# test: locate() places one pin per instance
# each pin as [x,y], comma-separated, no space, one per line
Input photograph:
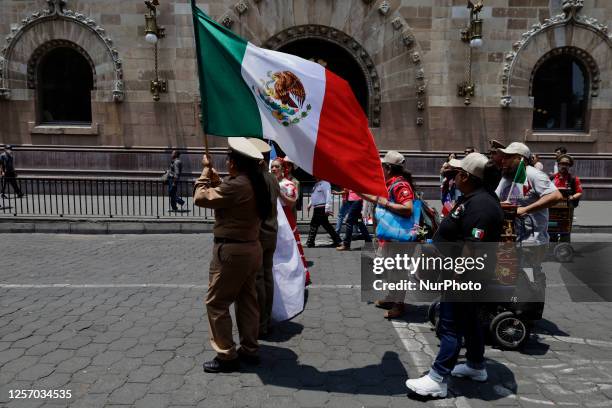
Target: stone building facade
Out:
[407,55]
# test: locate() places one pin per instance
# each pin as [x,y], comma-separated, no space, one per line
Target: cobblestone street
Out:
[119,321]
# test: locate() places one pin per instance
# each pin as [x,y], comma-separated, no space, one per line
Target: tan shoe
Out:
[396,311]
[343,248]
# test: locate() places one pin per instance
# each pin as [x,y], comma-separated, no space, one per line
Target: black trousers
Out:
[319,218]
[11,178]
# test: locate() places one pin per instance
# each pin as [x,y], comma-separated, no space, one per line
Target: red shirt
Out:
[562,181]
[402,192]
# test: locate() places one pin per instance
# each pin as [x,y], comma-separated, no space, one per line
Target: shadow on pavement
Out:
[545,326]
[534,348]
[280,367]
[501,383]
[284,332]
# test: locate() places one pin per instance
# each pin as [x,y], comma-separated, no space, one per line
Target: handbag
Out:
[394,227]
[168,174]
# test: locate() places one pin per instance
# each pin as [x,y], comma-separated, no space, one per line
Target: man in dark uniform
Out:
[264,282]
[476,217]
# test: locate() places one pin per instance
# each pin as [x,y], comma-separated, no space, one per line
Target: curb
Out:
[57,225]
[116,226]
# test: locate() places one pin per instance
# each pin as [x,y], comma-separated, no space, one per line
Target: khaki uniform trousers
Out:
[265,286]
[232,280]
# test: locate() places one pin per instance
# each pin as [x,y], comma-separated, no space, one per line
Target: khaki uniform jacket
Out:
[233,200]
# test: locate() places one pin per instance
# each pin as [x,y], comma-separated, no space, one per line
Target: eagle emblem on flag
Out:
[283,95]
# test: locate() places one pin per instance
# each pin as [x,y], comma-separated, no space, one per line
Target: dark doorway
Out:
[65,81]
[336,59]
[560,91]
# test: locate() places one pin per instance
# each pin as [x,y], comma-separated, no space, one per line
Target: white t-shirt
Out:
[537,184]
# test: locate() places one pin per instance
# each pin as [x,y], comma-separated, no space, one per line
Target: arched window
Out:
[561,92]
[334,58]
[65,81]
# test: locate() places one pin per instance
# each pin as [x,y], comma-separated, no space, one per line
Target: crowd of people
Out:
[472,191]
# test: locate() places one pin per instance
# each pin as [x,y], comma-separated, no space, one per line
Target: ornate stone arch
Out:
[57,23]
[376,34]
[347,43]
[582,36]
[44,49]
[589,64]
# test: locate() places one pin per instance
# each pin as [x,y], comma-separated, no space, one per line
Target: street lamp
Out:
[472,35]
[152,35]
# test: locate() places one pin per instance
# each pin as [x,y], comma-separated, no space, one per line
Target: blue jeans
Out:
[458,320]
[344,208]
[354,217]
[174,198]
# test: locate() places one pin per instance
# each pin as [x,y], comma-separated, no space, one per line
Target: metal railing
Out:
[110,198]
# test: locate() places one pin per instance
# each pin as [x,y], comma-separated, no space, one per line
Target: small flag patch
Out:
[478,233]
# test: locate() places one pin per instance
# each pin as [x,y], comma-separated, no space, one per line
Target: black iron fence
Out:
[110,198]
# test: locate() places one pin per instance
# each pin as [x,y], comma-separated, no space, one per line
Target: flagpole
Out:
[513,182]
[195,34]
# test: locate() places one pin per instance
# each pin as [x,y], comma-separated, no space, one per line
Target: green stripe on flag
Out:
[228,105]
[521,173]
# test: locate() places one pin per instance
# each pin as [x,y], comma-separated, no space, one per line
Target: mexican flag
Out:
[519,181]
[310,112]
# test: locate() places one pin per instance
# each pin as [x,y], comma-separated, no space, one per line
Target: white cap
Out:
[393,157]
[243,147]
[517,148]
[473,163]
[260,144]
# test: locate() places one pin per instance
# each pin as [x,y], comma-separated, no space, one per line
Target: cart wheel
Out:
[509,331]
[564,252]
[433,312]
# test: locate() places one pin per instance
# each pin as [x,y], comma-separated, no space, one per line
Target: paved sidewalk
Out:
[118,320]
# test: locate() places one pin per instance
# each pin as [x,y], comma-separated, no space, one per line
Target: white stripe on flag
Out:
[297,140]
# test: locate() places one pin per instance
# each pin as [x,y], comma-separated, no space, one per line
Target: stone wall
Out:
[410,51]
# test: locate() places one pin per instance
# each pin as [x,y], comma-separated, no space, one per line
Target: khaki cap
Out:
[394,158]
[260,144]
[517,148]
[243,147]
[473,163]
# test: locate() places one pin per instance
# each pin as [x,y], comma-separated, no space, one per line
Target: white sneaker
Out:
[426,386]
[462,370]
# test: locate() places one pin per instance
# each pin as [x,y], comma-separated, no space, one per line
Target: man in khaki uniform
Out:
[237,254]
[267,237]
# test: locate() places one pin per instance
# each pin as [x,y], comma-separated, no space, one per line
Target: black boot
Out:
[217,365]
[312,234]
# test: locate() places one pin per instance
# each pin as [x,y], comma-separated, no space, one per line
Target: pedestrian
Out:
[288,196]
[241,201]
[565,180]
[535,162]
[8,173]
[175,170]
[400,189]
[558,152]
[264,281]
[496,157]
[449,193]
[321,204]
[476,217]
[354,218]
[534,195]
[344,207]
[289,169]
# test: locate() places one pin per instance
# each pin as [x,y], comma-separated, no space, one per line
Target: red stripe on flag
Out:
[345,153]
